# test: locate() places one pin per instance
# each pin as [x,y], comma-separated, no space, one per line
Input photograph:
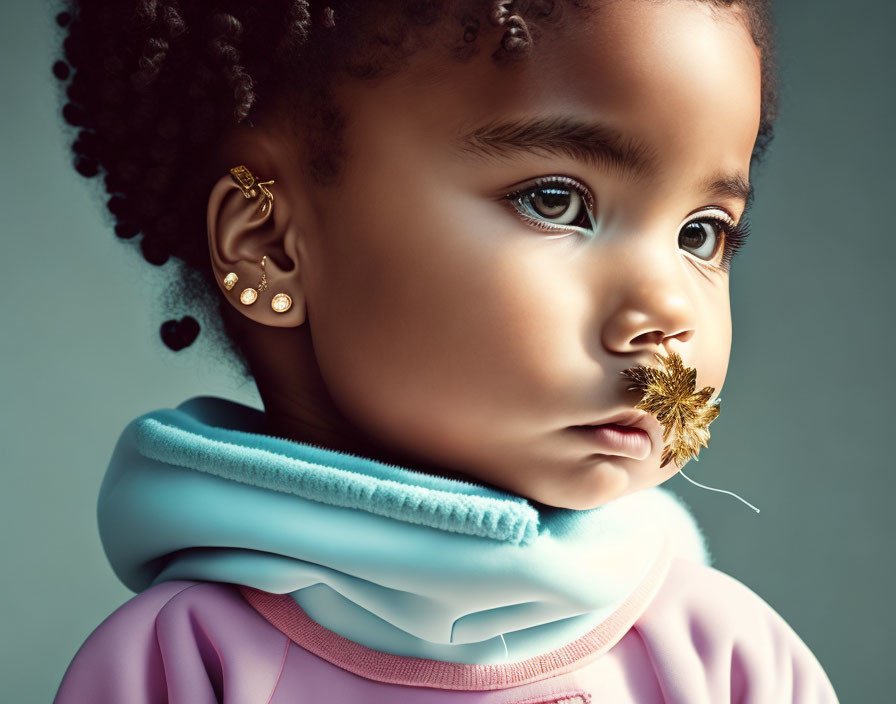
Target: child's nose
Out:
[647,302]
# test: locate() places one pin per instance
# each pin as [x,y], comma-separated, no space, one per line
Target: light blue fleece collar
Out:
[395,559]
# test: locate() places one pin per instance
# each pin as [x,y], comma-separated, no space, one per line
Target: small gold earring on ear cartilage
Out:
[230,280]
[264,279]
[250,187]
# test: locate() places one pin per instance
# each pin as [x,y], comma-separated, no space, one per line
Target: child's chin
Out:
[597,487]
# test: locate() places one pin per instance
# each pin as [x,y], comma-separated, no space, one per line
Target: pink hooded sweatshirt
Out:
[275,572]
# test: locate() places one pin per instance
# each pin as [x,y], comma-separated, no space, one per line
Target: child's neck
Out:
[298,407]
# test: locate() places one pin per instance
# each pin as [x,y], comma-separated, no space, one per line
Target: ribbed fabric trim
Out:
[578,697]
[512,520]
[289,618]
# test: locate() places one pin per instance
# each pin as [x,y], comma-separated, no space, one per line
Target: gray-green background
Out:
[807,433]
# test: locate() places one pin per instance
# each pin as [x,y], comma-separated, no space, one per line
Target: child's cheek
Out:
[446,322]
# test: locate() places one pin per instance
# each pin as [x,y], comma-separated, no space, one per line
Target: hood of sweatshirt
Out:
[392,558]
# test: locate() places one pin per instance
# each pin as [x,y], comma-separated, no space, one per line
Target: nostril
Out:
[684,336]
[654,337]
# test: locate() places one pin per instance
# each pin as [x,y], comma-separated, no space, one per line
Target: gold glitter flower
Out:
[682,411]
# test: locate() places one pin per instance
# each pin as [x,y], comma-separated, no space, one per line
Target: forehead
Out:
[679,78]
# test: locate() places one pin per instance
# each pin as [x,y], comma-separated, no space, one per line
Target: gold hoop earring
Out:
[250,187]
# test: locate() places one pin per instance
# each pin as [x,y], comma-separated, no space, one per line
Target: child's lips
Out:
[616,439]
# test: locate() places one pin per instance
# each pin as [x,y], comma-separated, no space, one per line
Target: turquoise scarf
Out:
[395,559]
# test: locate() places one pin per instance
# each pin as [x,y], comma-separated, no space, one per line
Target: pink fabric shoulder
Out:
[179,642]
[711,639]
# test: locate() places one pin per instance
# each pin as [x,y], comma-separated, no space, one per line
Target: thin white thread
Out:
[506,653]
[720,490]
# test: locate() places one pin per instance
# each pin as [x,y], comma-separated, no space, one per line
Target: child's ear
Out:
[243,230]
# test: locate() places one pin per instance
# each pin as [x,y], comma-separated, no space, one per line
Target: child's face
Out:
[457,333]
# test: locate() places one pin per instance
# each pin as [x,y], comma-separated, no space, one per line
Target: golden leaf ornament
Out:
[670,395]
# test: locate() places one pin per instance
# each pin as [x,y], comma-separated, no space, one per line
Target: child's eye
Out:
[555,204]
[704,236]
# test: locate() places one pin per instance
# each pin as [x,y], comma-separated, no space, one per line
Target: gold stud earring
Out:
[281,303]
[230,280]
[248,296]
[250,187]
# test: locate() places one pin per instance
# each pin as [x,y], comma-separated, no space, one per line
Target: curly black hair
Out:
[152,85]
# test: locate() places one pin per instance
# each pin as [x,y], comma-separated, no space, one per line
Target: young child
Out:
[440,235]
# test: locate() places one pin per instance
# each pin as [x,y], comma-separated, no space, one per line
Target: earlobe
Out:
[245,234]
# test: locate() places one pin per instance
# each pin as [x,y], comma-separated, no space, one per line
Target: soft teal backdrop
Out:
[807,430]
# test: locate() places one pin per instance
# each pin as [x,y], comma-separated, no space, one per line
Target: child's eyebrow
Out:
[594,143]
[734,186]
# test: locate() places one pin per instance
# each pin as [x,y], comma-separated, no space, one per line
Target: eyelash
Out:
[734,236]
